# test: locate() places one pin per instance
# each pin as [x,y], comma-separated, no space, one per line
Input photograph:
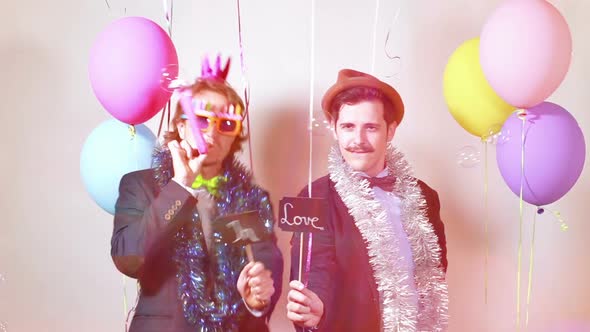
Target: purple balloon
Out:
[554,153]
[126,65]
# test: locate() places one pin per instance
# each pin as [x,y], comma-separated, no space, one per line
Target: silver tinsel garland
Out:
[398,312]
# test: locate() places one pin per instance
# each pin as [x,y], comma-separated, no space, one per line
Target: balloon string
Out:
[162,119]
[168,12]
[374,37]
[125,313]
[310,128]
[311,95]
[168,118]
[531,265]
[133,133]
[168,15]
[522,116]
[109,7]
[486,217]
[564,228]
[385,50]
[246,84]
[242,62]
[128,314]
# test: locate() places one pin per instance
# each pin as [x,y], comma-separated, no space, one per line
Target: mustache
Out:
[359,148]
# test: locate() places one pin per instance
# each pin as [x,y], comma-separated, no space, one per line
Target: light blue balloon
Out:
[111,151]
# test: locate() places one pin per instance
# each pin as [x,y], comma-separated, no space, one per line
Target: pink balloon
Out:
[525,51]
[125,68]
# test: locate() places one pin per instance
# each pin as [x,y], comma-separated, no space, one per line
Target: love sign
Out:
[302,214]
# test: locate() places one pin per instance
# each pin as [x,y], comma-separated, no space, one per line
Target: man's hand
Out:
[186,165]
[256,285]
[304,307]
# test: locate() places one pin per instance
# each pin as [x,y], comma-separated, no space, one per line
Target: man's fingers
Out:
[297,285]
[177,153]
[243,278]
[259,276]
[256,282]
[260,280]
[297,296]
[264,292]
[261,286]
[267,293]
[245,271]
[173,146]
[303,320]
[257,269]
[195,163]
[187,148]
[295,317]
[313,297]
[298,308]
[201,157]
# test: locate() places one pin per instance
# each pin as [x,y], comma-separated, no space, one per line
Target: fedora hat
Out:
[349,78]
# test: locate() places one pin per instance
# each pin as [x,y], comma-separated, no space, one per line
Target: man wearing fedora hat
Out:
[381,263]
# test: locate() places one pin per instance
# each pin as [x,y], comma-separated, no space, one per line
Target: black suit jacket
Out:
[147,218]
[340,273]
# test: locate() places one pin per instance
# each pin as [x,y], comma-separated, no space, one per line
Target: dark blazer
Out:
[340,273]
[146,220]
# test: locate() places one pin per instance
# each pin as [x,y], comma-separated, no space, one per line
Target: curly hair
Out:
[218,86]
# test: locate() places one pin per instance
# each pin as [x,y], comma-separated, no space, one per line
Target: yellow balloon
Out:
[471,100]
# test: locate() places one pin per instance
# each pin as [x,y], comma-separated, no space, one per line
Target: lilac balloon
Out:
[554,153]
[126,65]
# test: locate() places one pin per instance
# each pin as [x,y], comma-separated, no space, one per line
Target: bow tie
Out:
[386,183]
[212,184]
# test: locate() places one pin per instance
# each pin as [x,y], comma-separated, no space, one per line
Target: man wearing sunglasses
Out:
[380,265]
[164,233]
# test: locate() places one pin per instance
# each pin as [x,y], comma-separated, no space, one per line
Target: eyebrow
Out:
[376,124]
